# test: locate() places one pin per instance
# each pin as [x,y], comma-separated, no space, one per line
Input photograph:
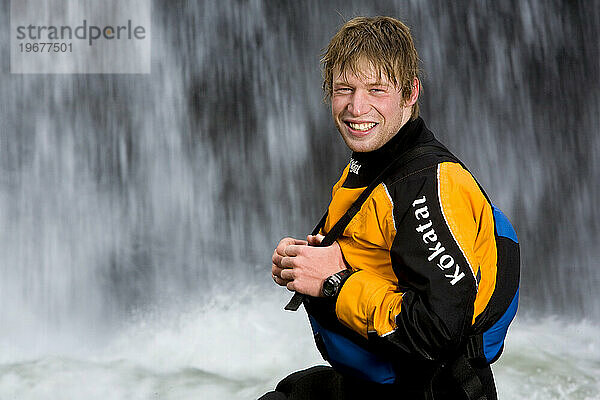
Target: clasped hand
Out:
[302,267]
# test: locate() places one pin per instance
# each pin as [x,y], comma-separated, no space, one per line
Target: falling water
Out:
[138,213]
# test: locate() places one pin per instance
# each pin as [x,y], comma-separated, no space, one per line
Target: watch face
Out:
[329,287]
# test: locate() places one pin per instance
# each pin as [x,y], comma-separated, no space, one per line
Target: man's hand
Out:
[303,268]
[278,255]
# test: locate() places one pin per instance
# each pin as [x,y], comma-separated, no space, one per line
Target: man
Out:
[410,274]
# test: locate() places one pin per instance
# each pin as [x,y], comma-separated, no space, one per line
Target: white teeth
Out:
[362,127]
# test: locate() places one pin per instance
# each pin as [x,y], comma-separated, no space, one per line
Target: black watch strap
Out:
[344,275]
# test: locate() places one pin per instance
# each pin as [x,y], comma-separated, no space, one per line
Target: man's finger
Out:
[277,259]
[294,250]
[277,270]
[315,240]
[291,287]
[279,281]
[285,242]
[287,274]
[281,247]
[287,262]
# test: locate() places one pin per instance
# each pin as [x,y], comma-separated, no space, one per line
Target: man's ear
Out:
[414,95]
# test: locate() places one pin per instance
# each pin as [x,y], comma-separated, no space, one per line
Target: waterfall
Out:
[120,193]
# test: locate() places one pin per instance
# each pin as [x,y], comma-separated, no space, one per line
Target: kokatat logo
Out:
[354,166]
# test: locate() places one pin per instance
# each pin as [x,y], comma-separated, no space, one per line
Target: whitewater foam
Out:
[239,349]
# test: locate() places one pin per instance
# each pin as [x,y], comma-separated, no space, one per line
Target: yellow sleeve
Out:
[368,303]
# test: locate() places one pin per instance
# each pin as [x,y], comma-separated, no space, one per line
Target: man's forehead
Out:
[366,72]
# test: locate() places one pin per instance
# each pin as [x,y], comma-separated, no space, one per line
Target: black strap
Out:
[474,349]
[467,378]
[341,224]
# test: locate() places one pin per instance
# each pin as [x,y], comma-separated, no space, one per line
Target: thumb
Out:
[315,240]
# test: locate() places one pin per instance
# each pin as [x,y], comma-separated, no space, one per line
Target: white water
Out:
[239,349]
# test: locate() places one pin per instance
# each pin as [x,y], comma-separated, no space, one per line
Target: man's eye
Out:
[377,90]
[343,90]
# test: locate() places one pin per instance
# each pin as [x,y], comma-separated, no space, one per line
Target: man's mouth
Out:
[361,126]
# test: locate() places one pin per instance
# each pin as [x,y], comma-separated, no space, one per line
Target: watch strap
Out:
[344,275]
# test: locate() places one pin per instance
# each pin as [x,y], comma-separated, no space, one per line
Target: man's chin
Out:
[362,145]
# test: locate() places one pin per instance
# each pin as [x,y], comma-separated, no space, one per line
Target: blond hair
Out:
[384,42]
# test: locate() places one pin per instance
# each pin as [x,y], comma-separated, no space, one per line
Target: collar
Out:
[364,167]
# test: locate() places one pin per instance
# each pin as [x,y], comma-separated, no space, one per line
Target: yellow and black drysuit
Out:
[424,255]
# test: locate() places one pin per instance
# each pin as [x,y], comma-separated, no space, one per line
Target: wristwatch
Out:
[333,284]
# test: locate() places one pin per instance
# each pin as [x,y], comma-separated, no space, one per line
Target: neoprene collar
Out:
[368,165]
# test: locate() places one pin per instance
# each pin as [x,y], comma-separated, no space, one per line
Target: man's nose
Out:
[359,103]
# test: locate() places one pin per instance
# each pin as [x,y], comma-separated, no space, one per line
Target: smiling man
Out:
[367,108]
[397,291]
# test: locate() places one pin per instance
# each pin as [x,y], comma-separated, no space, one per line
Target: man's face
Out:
[367,111]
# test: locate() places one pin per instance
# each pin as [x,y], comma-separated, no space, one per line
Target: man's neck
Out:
[365,166]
